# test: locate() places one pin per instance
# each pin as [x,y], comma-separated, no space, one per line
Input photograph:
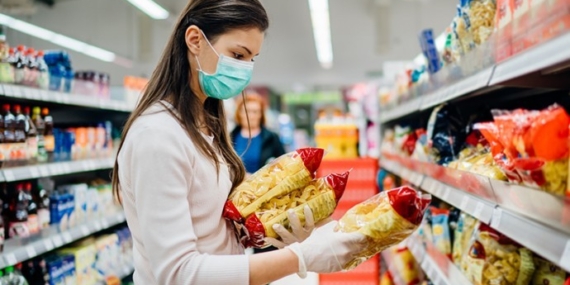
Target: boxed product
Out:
[85,255]
[385,219]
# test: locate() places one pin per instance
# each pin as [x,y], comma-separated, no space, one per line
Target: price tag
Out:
[16,91]
[464,203]
[8,90]
[105,223]
[44,171]
[446,192]
[85,230]
[97,226]
[9,175]
[496,220]
[11,259]
[57,97]
[67,237]
[57,242]
[31,251]
[34,172]
[66,168]
[27,93]
[565,260]
[35,94]
[479,209]
[44,95]
[48,244]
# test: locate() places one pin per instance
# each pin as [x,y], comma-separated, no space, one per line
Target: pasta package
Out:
[385,219]
[547,273]
[494,259]
[321,195]
[283,175]
[531,147]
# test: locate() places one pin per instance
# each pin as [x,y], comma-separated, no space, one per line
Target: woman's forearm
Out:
[270,266]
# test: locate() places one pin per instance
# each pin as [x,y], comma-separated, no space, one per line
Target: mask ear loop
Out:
[212,47]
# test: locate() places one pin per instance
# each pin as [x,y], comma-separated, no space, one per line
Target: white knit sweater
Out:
[173,203]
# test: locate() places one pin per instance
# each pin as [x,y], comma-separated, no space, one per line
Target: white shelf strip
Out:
[21,249]
[54,169]
[23,92]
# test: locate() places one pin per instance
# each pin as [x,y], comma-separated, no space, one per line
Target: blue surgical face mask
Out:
[229,80]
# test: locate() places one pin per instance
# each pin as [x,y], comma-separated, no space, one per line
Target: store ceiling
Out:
[364,35]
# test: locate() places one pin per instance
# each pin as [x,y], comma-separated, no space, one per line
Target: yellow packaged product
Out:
[547,273]
[385,219]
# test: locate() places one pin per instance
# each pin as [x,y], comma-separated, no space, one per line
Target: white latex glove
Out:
[298,232]
[327,251]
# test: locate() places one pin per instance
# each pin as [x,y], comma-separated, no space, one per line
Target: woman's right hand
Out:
[326,251]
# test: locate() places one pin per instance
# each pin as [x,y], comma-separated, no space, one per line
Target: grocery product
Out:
[440,230]
[547,273]
[478,160]
[466,226]
[385,219]
[281,176]
[445,134]
[39,124]
[495,259]
[531,146]
[320,195]
[482,17]
[18,212]
[407,266]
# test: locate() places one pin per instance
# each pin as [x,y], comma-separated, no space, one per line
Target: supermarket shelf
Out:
[544,232]
[401,110]
[538,58]
[387,256]
[54,169]
[21,249]
[22,92]
[535,59]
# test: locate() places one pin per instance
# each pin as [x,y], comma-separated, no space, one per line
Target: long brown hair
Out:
[171,79]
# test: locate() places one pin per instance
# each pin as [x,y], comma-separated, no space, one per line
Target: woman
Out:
[176,166]
[252,141]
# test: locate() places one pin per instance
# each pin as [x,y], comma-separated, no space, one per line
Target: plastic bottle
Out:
[6,70]
[19,213]
[2,140]
[40,128]
[9,125]
[33,219]
[43,71]
[41,197]
[14,277]
[48,133]
[21,67]
[31,137]
[20,130]
[32,75]
[2,226]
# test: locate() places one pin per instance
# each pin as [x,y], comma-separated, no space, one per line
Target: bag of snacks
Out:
[466,225]
[547,273]
[494,259]
[482,16]
[531,146]
[406,264]
[385,219]
[281,176]
[477,159]
[440,230]
[321,195]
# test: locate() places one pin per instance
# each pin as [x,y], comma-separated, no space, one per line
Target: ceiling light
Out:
[61,40]
[150,8]
[322,31]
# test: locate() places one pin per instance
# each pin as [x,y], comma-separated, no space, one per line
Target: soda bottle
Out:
[39,123]
[33,219]
[32,75]
[18,213]
[21,66]
[20,130]
[9,125]
[41,197]
[31,137]
[48,133]
[43,71]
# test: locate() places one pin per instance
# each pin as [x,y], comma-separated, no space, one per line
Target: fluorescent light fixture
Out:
[57,39]
[150,8]
[322,31]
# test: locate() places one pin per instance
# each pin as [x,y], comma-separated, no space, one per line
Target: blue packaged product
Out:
[440,230]
[55,270]
[429,50]
[68,268]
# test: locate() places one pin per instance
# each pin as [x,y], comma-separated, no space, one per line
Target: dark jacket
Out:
[271,146]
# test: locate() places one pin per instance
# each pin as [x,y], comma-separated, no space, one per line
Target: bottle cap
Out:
[17,108]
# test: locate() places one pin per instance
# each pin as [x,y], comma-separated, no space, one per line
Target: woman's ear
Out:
[193,36]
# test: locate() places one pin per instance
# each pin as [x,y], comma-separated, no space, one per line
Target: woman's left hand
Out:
[298,232]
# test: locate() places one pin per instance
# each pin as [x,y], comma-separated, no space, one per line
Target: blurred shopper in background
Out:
[253,142]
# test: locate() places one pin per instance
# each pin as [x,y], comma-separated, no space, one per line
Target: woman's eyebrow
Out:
[246,49]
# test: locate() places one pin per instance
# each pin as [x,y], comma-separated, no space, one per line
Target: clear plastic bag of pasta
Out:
[281,176]
[385,219]
[320,195]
